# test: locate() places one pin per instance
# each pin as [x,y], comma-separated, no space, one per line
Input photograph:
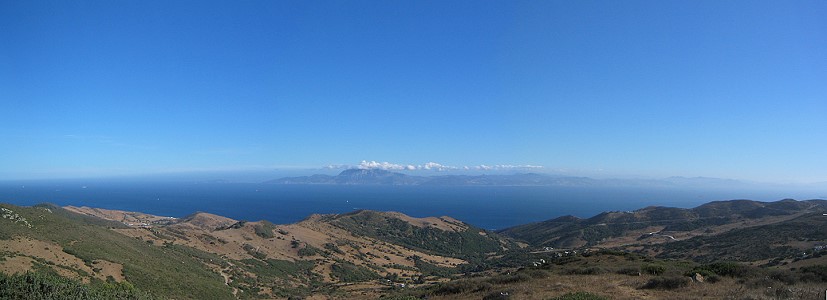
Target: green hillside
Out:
[572,232]
[470,244]
[52,287]
[168,272]
[785,240]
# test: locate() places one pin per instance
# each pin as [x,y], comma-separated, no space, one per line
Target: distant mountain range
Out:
[384,177]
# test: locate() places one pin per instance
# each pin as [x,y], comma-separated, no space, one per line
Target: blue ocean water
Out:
[484,206]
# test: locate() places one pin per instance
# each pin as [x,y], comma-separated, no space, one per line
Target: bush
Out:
[785,277]
[348,272]
[332,247]
[429,269]
[666,283]
[403,297]
[730,269]
[253,251]
[580,296]
[264,229]
[629,271]
[308,250]
[535,273]
[814,273]
[509,278]
[498,295]
[44,286]
[461,286]
[653,269]
[585,271]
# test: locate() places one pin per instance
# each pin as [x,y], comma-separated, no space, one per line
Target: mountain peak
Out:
[206,220]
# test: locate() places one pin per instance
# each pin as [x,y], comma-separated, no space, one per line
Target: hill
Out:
[775,243]
[323,254]
[53,240]
[652,252]
[658,225]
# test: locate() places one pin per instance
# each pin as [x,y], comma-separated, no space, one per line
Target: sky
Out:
[732,89]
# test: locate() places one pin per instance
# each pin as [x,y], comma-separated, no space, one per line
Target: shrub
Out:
[308,250]
[264,229]
[785,277]
[405,297]
[460,286]
[730,269]
[509,278]
[429,269]
[580,296]
[332,247]
[348,272]
[45,286]
[535,273]
[498,295]
[814,273]
[653,269]
[629,271]
[585,271]
[666,283]
[253,251]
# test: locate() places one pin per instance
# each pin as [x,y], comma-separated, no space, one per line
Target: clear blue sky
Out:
[733,89]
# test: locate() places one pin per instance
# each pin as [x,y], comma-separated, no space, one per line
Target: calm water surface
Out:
[486,207]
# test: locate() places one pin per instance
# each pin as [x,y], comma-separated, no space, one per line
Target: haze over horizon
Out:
[602,89]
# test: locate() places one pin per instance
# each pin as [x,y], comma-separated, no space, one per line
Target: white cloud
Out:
[381,165]
[333,167]
[507,167]
[429,166]
[437,166]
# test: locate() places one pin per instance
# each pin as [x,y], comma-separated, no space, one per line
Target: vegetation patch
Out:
[348,272]
[580,296]
[585,271]
[461,286]
[509,278]
[165,271]
[498,295]
[277,268]
[468,244]
[730,269]
[653,269]
[253,251]
[333,248]
[629,271]
[666,283]
[429,269]
[309,250]
[50,286]
[265,229]
[814,273]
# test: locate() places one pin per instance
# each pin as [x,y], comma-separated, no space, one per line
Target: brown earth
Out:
[216,234]
[129,218]
[623,287]
[21,253]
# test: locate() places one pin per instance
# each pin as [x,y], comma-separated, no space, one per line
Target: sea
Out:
[488,207]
